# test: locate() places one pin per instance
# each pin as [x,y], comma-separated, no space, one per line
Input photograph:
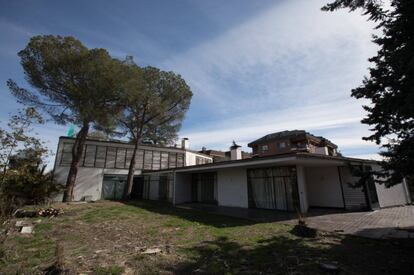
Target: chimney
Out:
[235,151]
[185,144]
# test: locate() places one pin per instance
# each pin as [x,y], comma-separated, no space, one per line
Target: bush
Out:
[27,185]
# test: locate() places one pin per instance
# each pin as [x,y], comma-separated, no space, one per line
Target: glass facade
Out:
[273,188]
[103,156]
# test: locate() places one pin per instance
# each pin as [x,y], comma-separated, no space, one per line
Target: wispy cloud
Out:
[291,67]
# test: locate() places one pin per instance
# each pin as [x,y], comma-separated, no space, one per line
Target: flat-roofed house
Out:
[291,180]
[104,166]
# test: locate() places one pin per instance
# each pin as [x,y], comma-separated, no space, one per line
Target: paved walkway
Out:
[395,222]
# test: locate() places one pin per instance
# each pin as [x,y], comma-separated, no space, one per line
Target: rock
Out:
[292,260]
[20,213]
[76,202]
[151,251]
[27,230]
[20,223]
[331,267]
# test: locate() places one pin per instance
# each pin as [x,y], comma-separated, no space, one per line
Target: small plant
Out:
[301,218]
[302,229]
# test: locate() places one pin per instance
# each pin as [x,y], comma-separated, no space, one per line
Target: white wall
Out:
[88,181]
[190,158]
[302,188]
[323,186]
[232,187]
[395,195]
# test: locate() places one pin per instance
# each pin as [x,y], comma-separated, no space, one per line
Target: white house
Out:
[282,182]
[300,173]
[104,166]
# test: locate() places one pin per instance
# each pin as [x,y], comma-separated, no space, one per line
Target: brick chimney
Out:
[235,151]
[185,143]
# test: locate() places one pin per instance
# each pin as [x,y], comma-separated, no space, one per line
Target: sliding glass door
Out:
[203,188]
[273,188]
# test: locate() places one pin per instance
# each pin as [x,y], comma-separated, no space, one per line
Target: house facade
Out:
[307,172]
[291,182]
[287,180]
[292,141]
[104,165]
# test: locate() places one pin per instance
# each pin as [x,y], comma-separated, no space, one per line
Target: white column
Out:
[303,196]
[406,191]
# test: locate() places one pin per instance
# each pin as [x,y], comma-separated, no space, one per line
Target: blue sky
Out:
[255,67]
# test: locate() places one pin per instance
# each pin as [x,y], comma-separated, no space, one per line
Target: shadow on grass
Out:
[209,219]
[286,255]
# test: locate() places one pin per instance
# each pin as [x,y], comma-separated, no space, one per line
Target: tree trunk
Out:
[76,156]
[131,171]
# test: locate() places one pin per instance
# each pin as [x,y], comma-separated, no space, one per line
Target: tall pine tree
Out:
[390,85]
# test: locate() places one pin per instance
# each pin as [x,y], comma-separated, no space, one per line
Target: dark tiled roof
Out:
[285,134]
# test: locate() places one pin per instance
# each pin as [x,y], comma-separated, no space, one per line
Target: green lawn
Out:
[109,237]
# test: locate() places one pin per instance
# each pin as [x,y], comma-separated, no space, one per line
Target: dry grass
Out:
[109,237]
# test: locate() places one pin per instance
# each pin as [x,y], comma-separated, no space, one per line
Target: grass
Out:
[109,237]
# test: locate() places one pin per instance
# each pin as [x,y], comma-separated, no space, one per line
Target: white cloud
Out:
[291,67]
[368,156]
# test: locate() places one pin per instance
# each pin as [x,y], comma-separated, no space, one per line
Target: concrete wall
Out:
[302,188]
[323,187]
[88,181]
[232,187]
[395,195]
[190,158]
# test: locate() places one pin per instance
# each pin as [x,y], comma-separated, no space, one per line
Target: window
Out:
[265,148]
[120,158]
[66,154]
[282,145]
[128,157]
[90,152]
[148,160]
[164,160]
[139,160]
[156,160]
[100,156]
[173,160]
[110,157]
[180,160]
[273,188]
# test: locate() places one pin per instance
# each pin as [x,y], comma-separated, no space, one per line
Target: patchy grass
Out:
[109,238]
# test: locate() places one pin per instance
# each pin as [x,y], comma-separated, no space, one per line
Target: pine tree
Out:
[390,85]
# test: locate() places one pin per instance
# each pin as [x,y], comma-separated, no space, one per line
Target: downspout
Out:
[174,180]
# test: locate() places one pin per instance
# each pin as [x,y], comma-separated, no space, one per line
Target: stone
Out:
[151,251]
[331,267]
[20,223]
[27,230]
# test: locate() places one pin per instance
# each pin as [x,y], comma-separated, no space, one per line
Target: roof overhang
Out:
[305,159]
